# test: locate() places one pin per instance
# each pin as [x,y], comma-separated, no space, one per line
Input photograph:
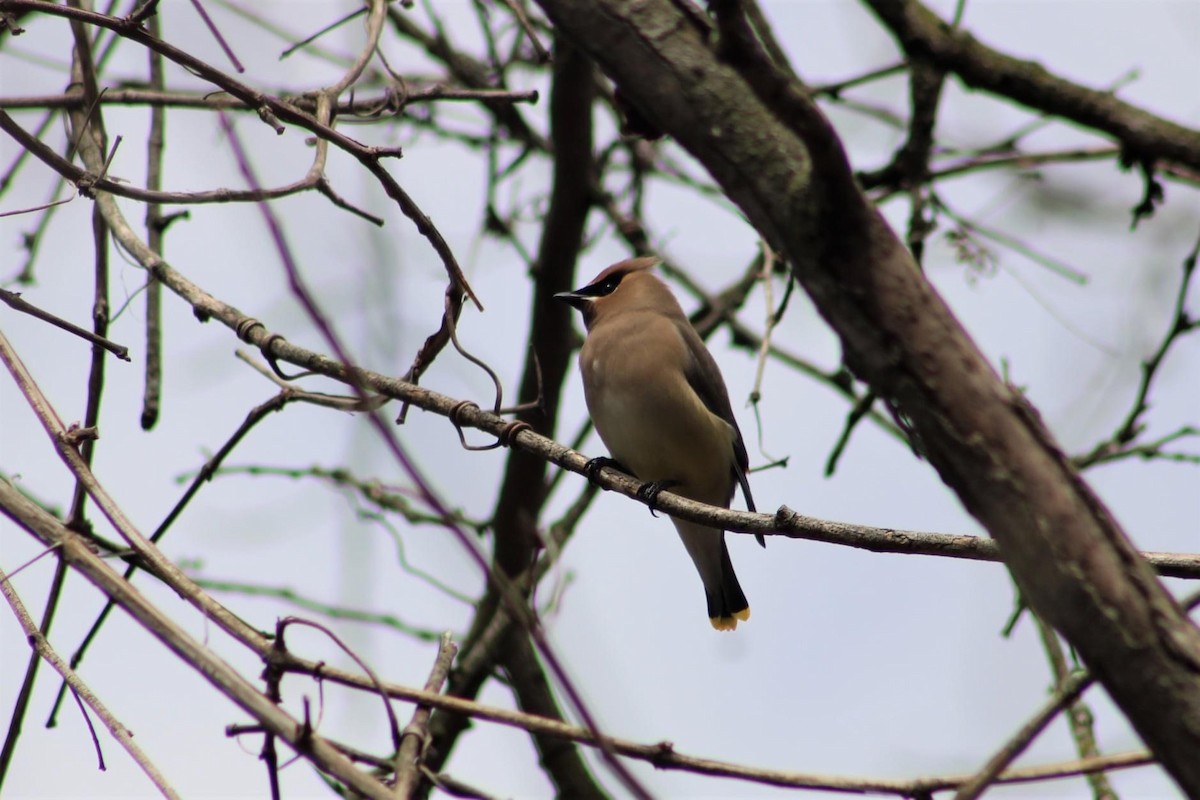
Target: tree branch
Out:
[41,648]
[921,34]
[523,487]
[776,156]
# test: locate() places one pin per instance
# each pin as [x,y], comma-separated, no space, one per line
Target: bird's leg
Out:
[650,492]
[594,466]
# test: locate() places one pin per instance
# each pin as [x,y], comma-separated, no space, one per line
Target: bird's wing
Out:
[705,379]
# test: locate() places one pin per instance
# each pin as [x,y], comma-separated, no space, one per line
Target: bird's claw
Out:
[593,466]
[650,492]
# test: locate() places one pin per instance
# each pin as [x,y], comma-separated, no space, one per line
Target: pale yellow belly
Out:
[667,437]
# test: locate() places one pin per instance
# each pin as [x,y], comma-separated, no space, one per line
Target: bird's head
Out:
[625,286]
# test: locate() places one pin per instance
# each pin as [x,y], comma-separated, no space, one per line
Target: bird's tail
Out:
[726,602]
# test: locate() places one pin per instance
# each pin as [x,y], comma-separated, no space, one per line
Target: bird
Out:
[659,403]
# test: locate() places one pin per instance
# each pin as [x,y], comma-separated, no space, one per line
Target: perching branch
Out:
[776,155]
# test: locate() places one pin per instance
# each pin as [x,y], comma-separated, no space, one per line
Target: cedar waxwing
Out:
[660,405]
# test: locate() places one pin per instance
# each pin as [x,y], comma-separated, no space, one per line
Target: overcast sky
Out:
[853,663]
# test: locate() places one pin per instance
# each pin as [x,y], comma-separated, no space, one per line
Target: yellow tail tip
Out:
[730,623]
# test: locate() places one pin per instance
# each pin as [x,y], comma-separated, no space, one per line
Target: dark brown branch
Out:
[550,347]
[921,34]
[523,487]
[779,159]
[15,302]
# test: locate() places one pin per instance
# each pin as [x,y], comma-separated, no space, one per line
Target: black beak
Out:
[574,299]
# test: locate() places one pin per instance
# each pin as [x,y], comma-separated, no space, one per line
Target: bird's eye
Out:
[608,285]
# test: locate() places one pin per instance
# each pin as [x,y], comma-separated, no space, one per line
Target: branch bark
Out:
[523,488]
[75,551]
[776,156]
[922,34]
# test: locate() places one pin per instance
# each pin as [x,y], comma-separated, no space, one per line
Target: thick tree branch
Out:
[1144,136]
[778,158]
[523,487]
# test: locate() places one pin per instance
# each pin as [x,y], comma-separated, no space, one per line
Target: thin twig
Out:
[415,736]
[282,625]
[1181,324]
[836,88]
[543,55]
[39,644]
[212,28]
[332,26]
[17,303]
[1079,717]
[1067,691]
[49,530]
[25,694]
[289,595]
[196,654]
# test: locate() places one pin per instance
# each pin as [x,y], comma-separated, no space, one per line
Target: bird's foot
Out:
[592,467]
[650,492]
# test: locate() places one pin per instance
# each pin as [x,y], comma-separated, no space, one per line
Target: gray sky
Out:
[853,663]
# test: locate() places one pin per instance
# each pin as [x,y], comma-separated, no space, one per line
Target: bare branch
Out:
[415,738]
[1066,693]
[193,652]
[39,644]
[270,109]
[921,34]
[15,301]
